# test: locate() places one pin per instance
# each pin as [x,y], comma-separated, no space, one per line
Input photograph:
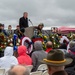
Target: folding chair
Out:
[42,67]
[2,71]
[6,71]
[30,67]
[45,72]
[36,73]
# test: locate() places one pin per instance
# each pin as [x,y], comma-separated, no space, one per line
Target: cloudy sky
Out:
[49,12]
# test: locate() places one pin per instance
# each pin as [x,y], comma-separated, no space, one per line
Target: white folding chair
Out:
[6,71]
[45,72]
[36,73]
[2,71]
[29,67]
[42,67]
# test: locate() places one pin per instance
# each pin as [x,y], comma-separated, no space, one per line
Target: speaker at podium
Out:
[29,31]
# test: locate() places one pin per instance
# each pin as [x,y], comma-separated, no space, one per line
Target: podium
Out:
[29,31]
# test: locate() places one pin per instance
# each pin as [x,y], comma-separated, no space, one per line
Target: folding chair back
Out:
[45,72]
[42,67]
[2,71]
[36,73]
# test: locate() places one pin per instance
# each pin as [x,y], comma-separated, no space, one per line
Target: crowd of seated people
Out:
[56,65]
[40,55]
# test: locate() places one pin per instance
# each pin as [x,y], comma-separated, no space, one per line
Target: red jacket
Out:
[23,58]
[48,50]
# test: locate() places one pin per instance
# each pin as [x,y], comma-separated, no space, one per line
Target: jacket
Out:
[8,60]
[70,70]
[23,58]
[23,22]
[38,55]
[48,50]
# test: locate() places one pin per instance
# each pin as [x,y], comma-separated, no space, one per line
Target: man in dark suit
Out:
[23,21]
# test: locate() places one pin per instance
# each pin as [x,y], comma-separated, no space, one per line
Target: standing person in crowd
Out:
[48,46]
[18,70]
[17,31]
[38,55]
[8,60]
[23,21]
[9,31]
[63,39]
[23,58]
[0,27]
[56,61]
[54,30]
[40,27]
[2,30]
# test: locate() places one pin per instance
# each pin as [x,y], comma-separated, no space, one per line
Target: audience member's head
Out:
[18,27]
[40,26]
[22,50]
[38,45]
[0,26]
[8,51]
[56,61]
[60,73]
[18,70]
[49,44]
[72,44]
[9,27]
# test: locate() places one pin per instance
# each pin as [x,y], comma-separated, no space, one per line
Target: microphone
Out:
[30,22]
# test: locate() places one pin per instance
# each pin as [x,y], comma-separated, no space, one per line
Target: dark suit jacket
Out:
[23,23]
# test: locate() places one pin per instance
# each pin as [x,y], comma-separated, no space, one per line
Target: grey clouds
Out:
[49,12]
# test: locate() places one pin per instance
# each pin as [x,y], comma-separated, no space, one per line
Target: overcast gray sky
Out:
[49,12]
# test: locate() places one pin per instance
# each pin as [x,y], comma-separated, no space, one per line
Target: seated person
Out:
[48,46]
[18,70]
[23,58]
[8,60]
[38,55]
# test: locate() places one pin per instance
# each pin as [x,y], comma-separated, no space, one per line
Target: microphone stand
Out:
[31,22]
